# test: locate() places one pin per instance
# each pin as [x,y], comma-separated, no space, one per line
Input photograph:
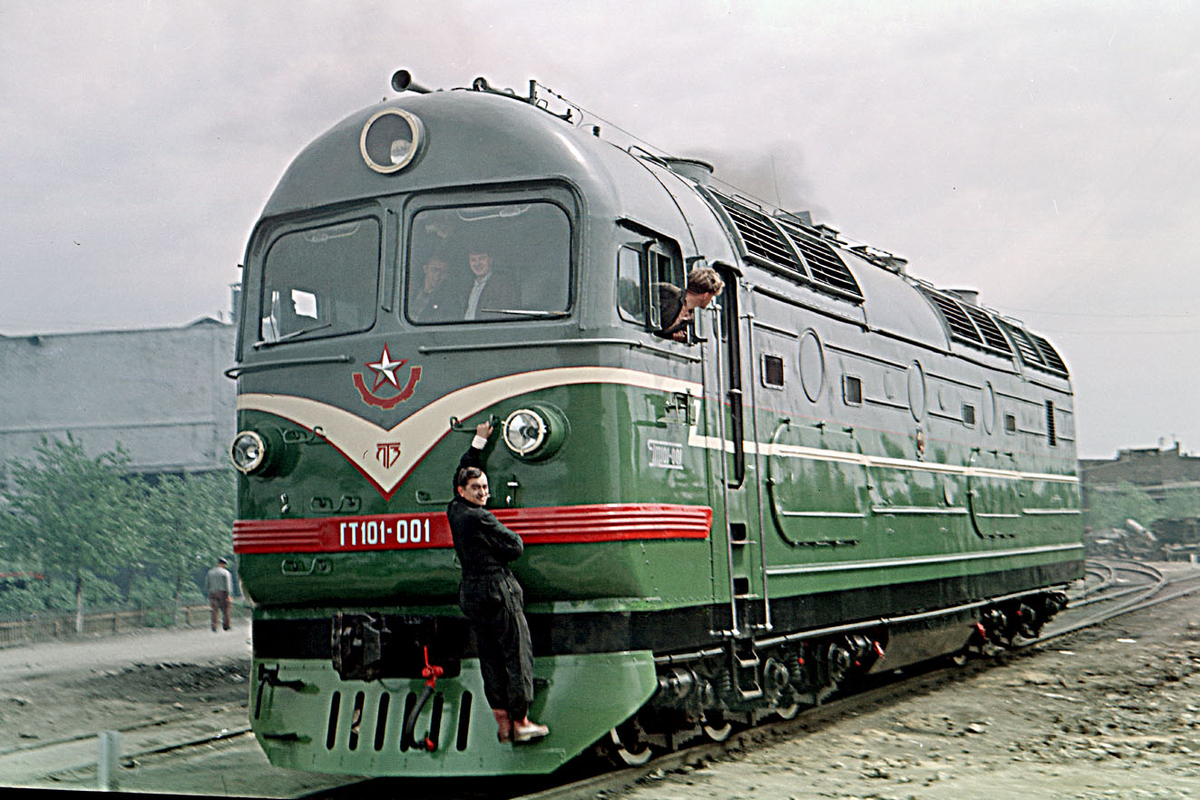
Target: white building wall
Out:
[160,393]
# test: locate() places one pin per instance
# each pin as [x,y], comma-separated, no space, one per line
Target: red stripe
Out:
[555,525]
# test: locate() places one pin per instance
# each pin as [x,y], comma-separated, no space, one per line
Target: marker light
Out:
[390,140]
[248,452]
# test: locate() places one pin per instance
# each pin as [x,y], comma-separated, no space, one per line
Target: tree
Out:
[188,525]
[75,517]
[1110,506]
[1182,503]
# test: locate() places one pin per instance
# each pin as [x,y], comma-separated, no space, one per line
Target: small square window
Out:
[852,390]
[772,372]
[1010,423]
[968,414]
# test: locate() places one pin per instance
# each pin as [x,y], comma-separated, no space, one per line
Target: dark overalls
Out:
[492,600]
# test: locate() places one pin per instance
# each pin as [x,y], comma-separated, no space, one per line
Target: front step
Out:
[740,665]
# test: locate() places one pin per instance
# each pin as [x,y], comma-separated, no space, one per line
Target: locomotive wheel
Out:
[625,745]
[716,728]
[789,711]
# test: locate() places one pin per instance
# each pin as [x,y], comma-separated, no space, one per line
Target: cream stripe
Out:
[920,560]
[358,438]
[861,459]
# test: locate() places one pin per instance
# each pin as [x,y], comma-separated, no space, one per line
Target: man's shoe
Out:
[527,731]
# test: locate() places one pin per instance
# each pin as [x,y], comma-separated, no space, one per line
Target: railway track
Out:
[1115,588]
[1150,593]
[1151,588]
[23,766]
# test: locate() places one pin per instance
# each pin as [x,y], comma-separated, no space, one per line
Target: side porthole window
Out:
[812,365]
[772,372]
[1010,423]
[968,415]
[852,390]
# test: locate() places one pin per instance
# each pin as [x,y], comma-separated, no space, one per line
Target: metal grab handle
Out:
[431,672]
[411,721]
[457,425]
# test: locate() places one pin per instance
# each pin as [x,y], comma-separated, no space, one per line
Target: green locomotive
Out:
[842,470]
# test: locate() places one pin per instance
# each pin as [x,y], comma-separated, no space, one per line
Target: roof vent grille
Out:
[1029,353]
[823,261]
[759,236]
[960,324]
[987,326]
[1054,361]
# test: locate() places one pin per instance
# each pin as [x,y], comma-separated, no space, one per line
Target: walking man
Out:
[492,599]
[219,585]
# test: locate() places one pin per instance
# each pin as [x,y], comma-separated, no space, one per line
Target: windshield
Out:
[488,263]
[320,282]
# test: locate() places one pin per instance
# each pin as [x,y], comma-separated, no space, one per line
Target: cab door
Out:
[739,515]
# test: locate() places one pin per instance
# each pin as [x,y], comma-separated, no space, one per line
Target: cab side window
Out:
[646,272]
[631,295]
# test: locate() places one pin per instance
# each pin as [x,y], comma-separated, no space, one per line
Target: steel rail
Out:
[1122,566]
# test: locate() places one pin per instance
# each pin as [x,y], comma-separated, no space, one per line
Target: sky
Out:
[1043,154]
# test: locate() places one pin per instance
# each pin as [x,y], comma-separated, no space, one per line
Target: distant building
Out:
[1162,473]
[160,393]
[1155,470]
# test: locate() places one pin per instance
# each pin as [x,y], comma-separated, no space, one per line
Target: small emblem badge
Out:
[385,374]
[387,453]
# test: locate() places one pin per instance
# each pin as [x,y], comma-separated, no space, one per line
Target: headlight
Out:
[248,451]
[524,431]
[390,140]
[535,432]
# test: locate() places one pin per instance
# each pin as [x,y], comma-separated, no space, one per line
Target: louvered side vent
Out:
[1029,352]
[823,262]
[759,235]
[992,336]
[1054,361]
[960,324]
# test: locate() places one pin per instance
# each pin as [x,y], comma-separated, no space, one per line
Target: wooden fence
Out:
[44,628]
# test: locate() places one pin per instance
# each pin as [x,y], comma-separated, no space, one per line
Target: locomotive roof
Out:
[477,138]
[474,139]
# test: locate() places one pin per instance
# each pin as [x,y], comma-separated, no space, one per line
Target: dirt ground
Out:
[1108,712]
[51,692]
[1111,712]
[54,690]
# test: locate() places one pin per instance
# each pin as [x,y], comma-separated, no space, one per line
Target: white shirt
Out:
[473,298]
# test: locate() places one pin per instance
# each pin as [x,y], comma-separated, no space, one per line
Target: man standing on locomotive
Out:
[491,598]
